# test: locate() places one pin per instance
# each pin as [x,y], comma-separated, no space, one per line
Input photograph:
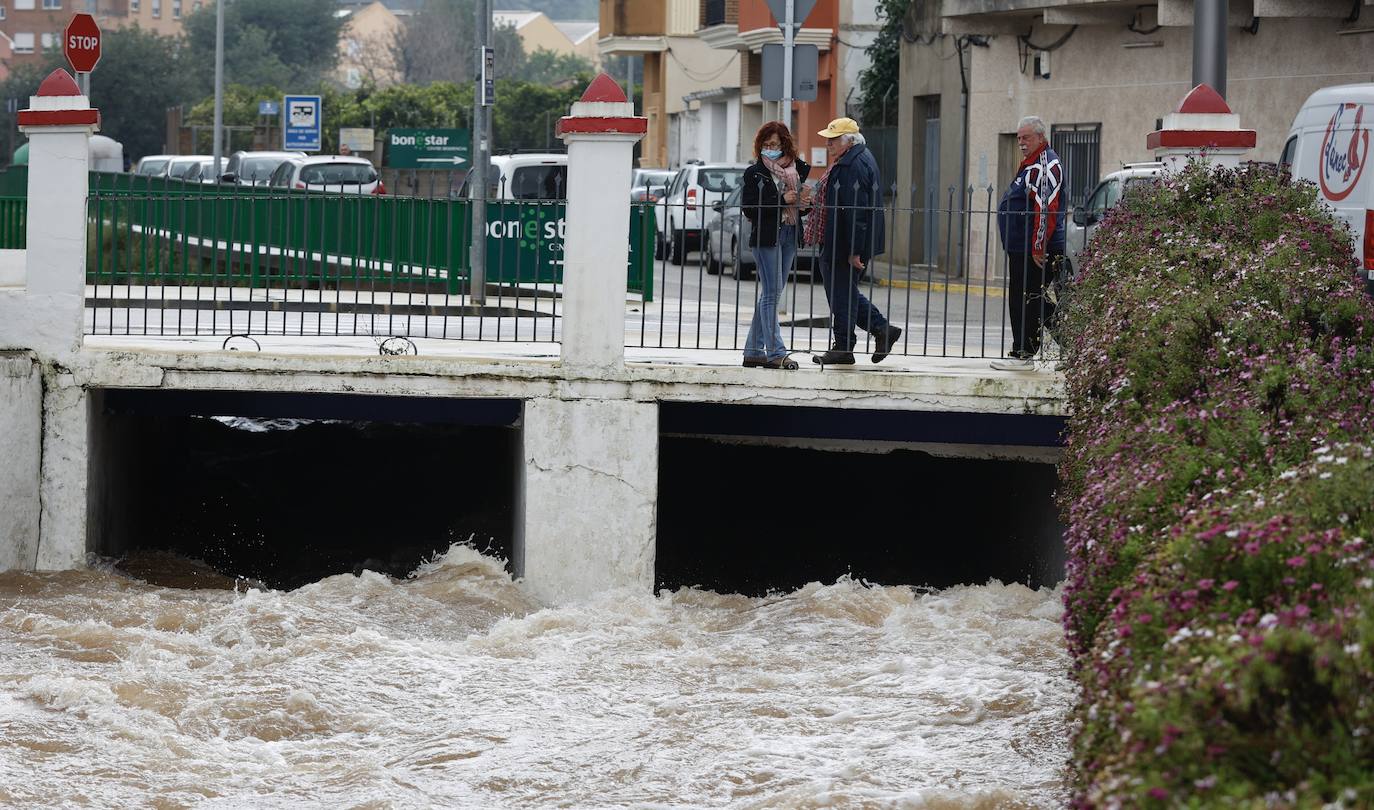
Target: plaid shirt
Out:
[815,222]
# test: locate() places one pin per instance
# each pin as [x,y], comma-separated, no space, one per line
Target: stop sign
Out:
[81,43]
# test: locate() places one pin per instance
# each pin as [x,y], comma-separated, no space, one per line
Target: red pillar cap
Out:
[1203,99]
[59,83]
[604,89]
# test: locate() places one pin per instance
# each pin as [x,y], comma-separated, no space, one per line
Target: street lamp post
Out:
[219,87]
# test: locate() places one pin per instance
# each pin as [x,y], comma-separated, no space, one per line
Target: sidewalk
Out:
[925,277]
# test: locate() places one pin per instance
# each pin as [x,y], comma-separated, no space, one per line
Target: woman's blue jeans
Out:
[773,265]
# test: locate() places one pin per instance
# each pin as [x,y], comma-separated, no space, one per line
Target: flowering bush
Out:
[1219,488]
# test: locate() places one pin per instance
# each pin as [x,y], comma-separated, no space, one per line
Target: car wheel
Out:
[742,271]
[677,248]
[712,263]
[658,245]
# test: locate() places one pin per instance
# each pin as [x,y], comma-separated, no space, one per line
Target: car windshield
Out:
[150,167]
[338,174]
[179,169]
[721,180]
[257,170]
[654,178]
[548,182]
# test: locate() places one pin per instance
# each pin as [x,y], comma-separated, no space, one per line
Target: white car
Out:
[684,211]
[1078,231]
[336,174]
[178,166]
[202,171]
[254,168]
[537,176]
[152,165]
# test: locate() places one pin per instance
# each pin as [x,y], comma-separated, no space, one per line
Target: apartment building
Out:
[537,31]
[841,30]
[1102,75]
[29,27]
[677,65]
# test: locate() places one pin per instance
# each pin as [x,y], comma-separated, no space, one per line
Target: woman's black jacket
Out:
[762,202]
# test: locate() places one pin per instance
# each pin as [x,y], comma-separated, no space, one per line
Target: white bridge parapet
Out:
[590,426]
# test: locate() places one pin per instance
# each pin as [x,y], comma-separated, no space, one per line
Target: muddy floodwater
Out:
[452,688]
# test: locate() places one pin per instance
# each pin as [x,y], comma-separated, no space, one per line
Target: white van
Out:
[1328,144]
[524,177]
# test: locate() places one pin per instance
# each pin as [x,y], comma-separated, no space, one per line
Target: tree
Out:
[437,44]
[288,43]
[526,114]
[879,80]
[549,67]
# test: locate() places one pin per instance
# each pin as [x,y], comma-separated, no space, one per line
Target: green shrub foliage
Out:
[1219,490]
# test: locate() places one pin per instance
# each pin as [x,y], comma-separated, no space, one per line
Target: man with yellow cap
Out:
[847,222]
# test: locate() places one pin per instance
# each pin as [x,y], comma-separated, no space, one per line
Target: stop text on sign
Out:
[82,43]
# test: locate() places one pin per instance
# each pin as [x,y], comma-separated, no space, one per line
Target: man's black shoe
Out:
[882,344]
[834,357]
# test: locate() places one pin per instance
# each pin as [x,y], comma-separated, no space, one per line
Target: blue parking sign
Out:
[302,123]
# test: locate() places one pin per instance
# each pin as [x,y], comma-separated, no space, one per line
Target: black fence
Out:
[715,284]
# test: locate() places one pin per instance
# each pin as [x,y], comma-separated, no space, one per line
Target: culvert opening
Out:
[755,518]
[288,489]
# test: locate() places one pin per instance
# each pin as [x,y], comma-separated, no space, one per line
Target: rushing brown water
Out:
[453,689]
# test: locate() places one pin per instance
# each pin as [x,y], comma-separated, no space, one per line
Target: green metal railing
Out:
[13,222]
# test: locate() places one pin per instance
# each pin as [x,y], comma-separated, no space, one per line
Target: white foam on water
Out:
[453,688]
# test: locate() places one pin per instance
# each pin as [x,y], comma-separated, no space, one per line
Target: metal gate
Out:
[1079,147]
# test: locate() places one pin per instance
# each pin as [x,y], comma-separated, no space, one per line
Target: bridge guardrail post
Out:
[600,132]
[59,123]
[44,420]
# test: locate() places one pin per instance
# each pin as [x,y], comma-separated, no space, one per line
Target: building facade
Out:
[1102,76]
[30,27]
[677,65]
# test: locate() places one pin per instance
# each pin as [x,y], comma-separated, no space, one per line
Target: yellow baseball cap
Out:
[840,126]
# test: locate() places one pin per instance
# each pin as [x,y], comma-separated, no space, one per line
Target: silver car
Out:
[1078,231]
[727,241]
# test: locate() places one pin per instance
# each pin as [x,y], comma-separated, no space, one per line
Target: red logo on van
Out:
[1342,164]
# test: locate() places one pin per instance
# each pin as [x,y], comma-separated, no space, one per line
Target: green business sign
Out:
[428,148]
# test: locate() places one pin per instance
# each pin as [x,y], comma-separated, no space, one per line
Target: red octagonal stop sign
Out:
[81,43]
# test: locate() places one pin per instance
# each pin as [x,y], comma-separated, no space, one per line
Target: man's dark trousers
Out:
[1029,307]
[848,307]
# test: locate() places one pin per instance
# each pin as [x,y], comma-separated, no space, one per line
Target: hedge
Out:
[1218,486]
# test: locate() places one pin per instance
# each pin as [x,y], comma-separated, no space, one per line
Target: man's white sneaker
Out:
[1013,364]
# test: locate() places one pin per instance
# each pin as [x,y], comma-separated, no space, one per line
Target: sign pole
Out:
[218,151]
[789,41]
[477,252]
[1209,44]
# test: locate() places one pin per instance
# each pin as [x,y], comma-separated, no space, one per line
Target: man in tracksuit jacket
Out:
[1030,220]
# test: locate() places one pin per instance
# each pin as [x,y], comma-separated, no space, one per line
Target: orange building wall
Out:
[755,14]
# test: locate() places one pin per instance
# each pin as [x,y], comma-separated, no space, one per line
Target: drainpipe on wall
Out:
[963,147]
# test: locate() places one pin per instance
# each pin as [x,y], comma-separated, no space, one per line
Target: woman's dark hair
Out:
[789,149]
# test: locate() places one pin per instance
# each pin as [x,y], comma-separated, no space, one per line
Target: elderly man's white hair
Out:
[854,137]
[1036,123]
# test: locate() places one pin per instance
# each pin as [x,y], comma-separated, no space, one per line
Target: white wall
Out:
[21,425]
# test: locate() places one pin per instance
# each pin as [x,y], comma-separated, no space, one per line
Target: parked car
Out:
[335,174]
[203,171]
[152,165]
[178,166]
[254,168]
[1078,231]
[1328,145]
[538,176]
[727,241]
[647,185]
[681,213]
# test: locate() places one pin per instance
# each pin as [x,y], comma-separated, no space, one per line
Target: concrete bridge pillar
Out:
[44,411]
[589,487]
[600,133]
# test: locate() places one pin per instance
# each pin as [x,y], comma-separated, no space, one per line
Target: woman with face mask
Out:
[770,201]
